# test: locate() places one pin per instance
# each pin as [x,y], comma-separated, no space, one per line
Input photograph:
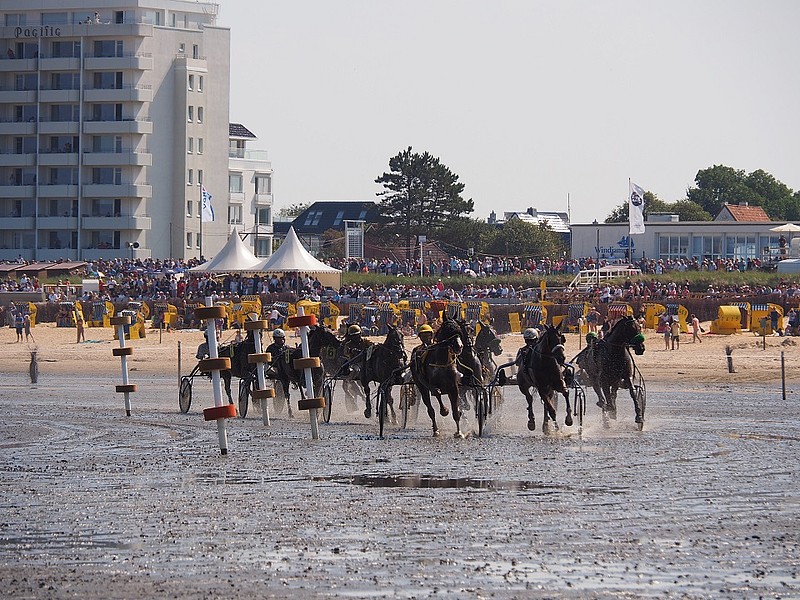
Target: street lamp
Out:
[133,246]
[597,251]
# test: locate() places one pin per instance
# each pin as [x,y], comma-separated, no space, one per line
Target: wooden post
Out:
[729,354]
[783,375]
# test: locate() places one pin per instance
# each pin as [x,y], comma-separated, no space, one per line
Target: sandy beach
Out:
[157,354]
[701,504]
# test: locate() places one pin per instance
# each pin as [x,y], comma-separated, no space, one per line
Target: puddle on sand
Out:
[429,481]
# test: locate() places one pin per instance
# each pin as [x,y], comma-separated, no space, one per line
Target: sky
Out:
[547,104]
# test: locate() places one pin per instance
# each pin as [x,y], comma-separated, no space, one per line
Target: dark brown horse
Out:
[545,366]
[473,375]
[380,363]
[333,358]
[487,345]
[609,366]
[282,366]
[435,371]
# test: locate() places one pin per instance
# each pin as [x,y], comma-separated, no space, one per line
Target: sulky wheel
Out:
[185,394]
[641,398]
[481,409]
[408,398]
[244,396]
[381,408]
[327,393]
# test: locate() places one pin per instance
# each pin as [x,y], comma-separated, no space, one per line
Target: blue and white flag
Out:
[635,208]
[206,210]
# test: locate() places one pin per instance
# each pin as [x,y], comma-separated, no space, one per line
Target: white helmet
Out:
[278,333]
[530,334]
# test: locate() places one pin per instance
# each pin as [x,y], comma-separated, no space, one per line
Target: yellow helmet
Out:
[425,329]
[353,330]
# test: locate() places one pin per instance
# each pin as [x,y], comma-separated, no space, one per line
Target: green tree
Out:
[720,184]
[518,238]
[465,233]
[421,196]
[331,244]
[293,210]
[774,196]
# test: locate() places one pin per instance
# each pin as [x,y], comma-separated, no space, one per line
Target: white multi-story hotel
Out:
[113,116]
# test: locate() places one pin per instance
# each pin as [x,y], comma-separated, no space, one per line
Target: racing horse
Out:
[470,367]
[435,371]
[282,366]
[237,352]
[381,363]
[545,369]
[609,366]
[333,358]
[487,345]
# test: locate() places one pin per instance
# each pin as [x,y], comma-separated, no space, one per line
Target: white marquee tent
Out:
[234,257]
[292,257]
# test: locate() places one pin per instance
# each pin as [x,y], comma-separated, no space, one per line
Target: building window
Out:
[12,20]
[189,208]
[181,46]
[108,49]
[199,114]
[107,176]
[190,114]
[740,246]
[263,184]
[195,51]
[199,240]
[191,82]
[235,214]
[235,183]
[188,239]
[189,145]
[673,246]
[200,84]
[199,145]
[707,247]
[338,220]
[263,216]
[312,218]
[190,177]
[199,176]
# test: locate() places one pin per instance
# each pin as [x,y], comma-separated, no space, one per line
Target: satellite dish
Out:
[135,244]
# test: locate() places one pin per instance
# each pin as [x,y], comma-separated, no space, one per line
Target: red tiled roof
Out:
[749,214]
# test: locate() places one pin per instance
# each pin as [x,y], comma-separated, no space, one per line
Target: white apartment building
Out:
[250,192]
[113,115]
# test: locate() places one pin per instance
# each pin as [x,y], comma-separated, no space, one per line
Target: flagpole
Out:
[628,249]
[201,222]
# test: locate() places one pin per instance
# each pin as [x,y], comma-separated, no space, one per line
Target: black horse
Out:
[333,358]
[545,369]
[473,375]
[237,352]
[609,366]
[380,363]
[487,345]
[435,371]
[282,366]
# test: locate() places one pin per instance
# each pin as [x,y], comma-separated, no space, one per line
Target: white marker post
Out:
[123,352]
[219,412]
[307,362]
[262,394]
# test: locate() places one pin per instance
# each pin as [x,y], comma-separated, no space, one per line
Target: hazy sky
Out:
[526,101]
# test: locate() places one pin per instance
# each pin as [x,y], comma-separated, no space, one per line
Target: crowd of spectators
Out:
[124,280]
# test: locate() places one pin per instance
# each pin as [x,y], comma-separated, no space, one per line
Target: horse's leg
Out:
[426,398]
[610,391]
[390,404]
[637,406]
[568,416]
[226,379]
[546,395]
[286,386]
[368,410]
[454,404]
[598,389]
[526,391]
[443,410]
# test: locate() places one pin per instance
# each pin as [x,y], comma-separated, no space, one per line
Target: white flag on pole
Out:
[206,211]
[635,208]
